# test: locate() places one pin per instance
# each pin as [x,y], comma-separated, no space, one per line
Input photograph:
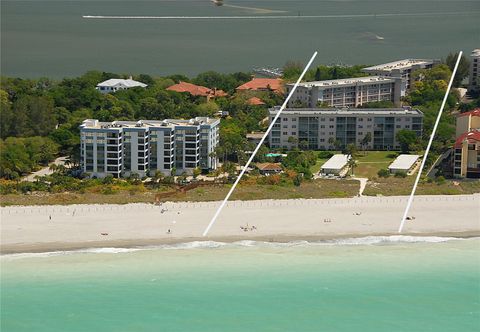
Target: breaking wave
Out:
[368,240]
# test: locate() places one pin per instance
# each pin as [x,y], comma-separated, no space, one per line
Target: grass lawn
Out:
[397,186]
[368,165]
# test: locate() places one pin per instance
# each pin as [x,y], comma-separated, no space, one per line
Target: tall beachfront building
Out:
[474,75]
[401,69]
[121,148]
[348,92]
[319,129]
[466,151]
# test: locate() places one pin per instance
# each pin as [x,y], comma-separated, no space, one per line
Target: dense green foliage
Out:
[22,155]
[300,161]
[292,70]
[427,95]
[407,139]
[463,67]
[51,111]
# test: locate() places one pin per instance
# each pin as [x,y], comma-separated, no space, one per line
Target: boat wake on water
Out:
[275,17]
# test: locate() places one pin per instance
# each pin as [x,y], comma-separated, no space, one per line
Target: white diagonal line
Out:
[259,145]
[410,199]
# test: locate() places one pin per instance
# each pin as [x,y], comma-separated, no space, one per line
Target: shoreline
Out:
[35,248]
[37,229]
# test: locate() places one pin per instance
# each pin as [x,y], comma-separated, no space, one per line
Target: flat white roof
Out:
[337,161]
[346,81]
[399,64]
[129,83]
[348,111]
[95,124]
[404,162]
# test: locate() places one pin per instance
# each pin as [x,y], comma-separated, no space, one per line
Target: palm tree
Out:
[352,163]
[331,141]
[365,141]
[53,167]
[158,177]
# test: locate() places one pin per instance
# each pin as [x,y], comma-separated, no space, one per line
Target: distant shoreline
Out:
[63,228]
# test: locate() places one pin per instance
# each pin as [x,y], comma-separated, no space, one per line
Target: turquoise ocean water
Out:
[50,38]
[367,286]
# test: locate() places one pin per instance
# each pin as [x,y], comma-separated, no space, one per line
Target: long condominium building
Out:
[327,128]
[348,92]
[122,148]
[474,74]
[401,69]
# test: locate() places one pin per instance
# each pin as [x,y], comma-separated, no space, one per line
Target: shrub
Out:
[401,174]
[108,190]
[108,179]
[383,173]
[325,154]
[392,155]
[274,179]
[440,180]
[297,180]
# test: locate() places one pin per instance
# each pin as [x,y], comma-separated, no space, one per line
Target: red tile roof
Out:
[196,90]
[475,112]
[472,137]
[255,101]
[273,84]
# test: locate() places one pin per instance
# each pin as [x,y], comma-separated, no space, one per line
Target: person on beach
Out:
[50,217]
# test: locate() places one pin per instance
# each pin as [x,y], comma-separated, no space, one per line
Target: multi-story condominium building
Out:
[348,92]
[326,128]
[121,148]
[474,75]
[115,84]
[466,151]
[401,69]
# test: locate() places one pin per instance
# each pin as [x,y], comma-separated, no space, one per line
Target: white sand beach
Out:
[50,228]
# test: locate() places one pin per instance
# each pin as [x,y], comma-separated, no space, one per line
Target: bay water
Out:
[52,38]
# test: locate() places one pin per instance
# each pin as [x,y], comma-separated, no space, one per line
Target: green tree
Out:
[351,149]
[406,138]
[366,140]
[352,163]
[463,67]
[293,140]
[34,116]
[318,74]
[196,172]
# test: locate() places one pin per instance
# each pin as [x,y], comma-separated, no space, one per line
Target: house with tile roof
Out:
[262,84]
[197,90]
[255,101]
[269,168]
